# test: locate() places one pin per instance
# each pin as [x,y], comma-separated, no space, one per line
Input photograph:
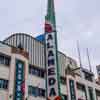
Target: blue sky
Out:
[76,20]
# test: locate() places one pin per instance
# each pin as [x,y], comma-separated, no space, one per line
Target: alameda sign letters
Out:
[51,62]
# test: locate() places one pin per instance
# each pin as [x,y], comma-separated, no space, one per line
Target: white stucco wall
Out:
[63,89]
[36,81]
[98,97]
[3,95]
[81,94]
[36,98]
[4,72]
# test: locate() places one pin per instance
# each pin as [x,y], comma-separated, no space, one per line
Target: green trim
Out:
[58,69]
[51,13]
[45,68]
[72,89]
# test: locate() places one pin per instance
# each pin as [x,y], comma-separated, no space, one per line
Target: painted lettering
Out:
[51,62]
[49,45]
[52,81]
[51,71]
[52,92]
[50,37]
[51,65]
[50,53]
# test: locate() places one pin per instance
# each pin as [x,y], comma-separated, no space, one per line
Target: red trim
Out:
[56,98]
[48,27]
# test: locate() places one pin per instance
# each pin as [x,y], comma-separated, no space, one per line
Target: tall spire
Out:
[50,16]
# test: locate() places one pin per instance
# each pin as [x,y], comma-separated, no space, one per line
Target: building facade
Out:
[23,72]
[84,84]
[31,57]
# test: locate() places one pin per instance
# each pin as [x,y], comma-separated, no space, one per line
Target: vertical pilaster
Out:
[11,78]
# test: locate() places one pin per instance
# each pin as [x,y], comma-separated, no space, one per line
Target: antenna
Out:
[88,56]
[79,56]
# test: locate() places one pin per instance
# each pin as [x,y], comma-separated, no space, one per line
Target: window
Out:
[63,80]
[64,97]
[91,95]
[42,74]
[88,77]
[82,88]
[4,59]
[32,91]
[7,61]
[1,59]
[35,91]
[36,71]
[42,92]
[3,84]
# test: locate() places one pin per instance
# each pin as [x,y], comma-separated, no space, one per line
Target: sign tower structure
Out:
[51,49]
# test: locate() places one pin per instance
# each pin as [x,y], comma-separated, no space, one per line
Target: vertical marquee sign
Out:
[19,78]
[52,69]
[51,64]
